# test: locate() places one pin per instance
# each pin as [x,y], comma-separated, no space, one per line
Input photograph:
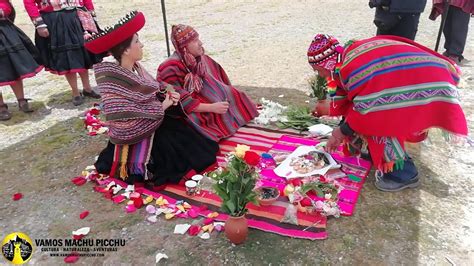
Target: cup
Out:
[191,187]
[197,179]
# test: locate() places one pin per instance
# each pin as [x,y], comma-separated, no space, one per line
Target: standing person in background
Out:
[61,28]
[19,59]
[456,26]
[397,17]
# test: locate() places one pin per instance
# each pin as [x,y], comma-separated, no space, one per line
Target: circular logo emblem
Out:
[17,248]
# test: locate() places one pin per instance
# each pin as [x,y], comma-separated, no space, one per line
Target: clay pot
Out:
[236,229]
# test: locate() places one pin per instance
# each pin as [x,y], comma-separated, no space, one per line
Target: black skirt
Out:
[63,51]
[19,58]
[177,149]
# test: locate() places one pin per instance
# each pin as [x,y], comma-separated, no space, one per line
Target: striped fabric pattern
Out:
[269,218]
[406,96]
[216,88]
[395,89]
[130,104]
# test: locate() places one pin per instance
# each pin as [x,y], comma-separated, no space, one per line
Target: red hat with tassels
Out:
[113,36]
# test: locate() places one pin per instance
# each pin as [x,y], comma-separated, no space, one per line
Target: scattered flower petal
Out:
[130,188]
[194,230]
[117,189]
[152,219]
[83,214]
[208,221]
[193,213]
[160,256]
[187,205]
[148,200]
[134,195]
[118,199]
[169,216]
[181,228]
[99,189]
[181,208]
[82,231]
[281,95]
[203,208]
[213,215]
[78,237]
[205,236]
[130,208]
[150,209]
[219,228]
[108,194]
[71,258]
[17,196]
[79,180]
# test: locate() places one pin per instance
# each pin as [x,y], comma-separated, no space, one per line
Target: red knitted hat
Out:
[182,35]
[324,51]
[112,36]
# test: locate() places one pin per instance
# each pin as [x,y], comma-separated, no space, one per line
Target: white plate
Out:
[320,130]
[286,171]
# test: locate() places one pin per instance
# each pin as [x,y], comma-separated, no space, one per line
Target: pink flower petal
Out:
[72,258]
[208,221]
[17,196]
[134,195]
[150,209]
[130,208]
[219,228]
[118,199]
[83,214]
[193,213]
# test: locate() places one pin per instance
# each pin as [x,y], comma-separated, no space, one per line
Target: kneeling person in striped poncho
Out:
[390,90]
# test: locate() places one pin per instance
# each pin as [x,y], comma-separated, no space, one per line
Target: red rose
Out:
[305,202]
[138,202]
[94,111]
[296,182]
[251,158]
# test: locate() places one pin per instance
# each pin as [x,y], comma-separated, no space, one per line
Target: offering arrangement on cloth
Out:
[306,161]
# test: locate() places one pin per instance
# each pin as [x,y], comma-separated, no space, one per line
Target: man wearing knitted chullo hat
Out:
[212,105]
[390,90]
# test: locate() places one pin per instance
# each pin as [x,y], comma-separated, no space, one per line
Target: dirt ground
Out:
[262,46]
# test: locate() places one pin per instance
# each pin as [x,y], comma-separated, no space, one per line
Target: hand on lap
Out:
[220,107]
